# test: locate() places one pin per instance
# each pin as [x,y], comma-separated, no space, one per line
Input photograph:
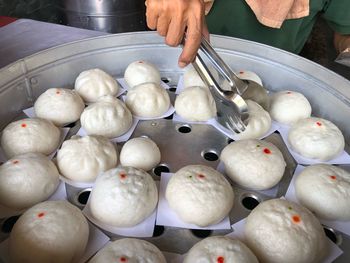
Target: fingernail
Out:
[182,64]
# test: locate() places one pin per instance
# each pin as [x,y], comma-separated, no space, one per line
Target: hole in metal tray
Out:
[172,89]
[165,80]
[332,235]
[83,196]
[158,231]
[250,201]
[162,168]
[8,224]
[210,155]
[184,128]
[201,233]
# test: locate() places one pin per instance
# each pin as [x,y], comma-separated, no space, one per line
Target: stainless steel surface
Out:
[179,149]
[22,82]
[113,16]
[25,37]
[246,88]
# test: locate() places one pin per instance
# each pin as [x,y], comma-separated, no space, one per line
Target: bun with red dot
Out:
[253,164]
[123,197]
[316,138]
[281,231]
[148,100]
[199,195]
[26,180]
[94,83]
[325,190]
[129,250]
[259,122]
[30,135]
[288,107]
[220,249]
[61,106]
[52,231]
[107,117]
[249,75]
[140,72]
[83,158]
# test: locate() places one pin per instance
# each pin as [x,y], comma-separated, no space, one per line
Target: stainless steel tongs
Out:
[228,90]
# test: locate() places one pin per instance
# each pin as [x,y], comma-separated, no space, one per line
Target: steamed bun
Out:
[61,106]
[94,83]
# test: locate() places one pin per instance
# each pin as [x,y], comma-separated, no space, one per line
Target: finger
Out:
[163,25]
[205,31]
[192,43]
[152,14]
[176,32]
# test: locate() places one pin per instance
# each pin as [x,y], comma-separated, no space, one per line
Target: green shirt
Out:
[235,18]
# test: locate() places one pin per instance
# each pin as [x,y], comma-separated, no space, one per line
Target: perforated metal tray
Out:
[22,82]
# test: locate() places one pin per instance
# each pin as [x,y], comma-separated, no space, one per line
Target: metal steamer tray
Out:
[180,143]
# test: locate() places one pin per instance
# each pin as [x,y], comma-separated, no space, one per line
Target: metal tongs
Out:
[228,90]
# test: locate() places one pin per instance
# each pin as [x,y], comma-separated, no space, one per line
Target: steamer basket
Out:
[329,94]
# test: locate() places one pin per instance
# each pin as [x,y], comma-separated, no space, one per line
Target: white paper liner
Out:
[30,112]
[59,194]
[333,250]
[180,85]
[341,226]
[343,158]
[234,136]
[63,135]
[143,229]
[170,111]
[272,192]
[122,138]
[97,239]
[76,183]
[213,122]
[167,217]
[122,88]
[173,257]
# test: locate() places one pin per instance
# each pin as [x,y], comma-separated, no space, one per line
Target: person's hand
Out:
[341,42]
[172,18]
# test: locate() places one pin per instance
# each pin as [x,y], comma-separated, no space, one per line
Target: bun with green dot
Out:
[199,195]
[281,231]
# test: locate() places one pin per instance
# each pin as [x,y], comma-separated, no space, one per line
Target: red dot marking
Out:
[140,62]
[267,150]
[319,123]
[15,162]
[122,176]
[289,92]
[241,72]
[296,219]
[57,92]
[220,260]
[40,215]
[24,125]
[333,177]
[123,259]
[201,176]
